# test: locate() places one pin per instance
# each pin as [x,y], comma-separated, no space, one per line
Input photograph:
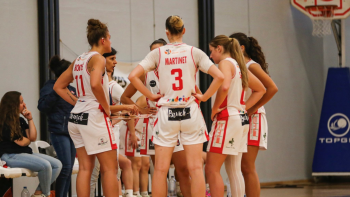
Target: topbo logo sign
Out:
[338,125]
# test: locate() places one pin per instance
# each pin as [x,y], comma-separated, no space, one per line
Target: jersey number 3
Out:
[177,78]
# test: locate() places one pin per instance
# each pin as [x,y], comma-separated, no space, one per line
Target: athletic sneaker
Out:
[178,190]
[40,195]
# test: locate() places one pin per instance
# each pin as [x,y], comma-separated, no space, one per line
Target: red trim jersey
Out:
[152,83]
[116,92]
[176,66]
[86,98]
[235,104]
[248,92]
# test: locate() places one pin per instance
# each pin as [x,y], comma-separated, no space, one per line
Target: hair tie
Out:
[231,39]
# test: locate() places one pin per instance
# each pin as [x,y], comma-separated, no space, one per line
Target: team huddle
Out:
[166,123]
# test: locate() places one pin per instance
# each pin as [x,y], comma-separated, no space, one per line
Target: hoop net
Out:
[322,25]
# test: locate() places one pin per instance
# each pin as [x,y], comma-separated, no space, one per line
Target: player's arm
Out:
[62,83]
[129,92]
[225,68]
[258,90]
[133,137]
[96,67]
[271,88]
[135,80]
[215,84]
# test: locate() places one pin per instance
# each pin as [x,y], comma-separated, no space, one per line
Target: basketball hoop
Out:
[322,23]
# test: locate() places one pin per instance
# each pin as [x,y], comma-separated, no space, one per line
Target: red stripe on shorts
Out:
[219,118]
[144,151]
[251,122]
[113,146]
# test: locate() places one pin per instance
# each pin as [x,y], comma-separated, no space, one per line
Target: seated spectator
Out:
[58,111]
[15,136]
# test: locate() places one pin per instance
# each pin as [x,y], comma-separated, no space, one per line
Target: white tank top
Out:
[86,98]
[152,83]
[248,92]
[176,65]
[116,92]
[234,99]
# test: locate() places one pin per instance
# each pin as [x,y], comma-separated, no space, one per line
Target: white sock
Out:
[233,170]
[137,193]
[128,193]
[144,193]
[120,196]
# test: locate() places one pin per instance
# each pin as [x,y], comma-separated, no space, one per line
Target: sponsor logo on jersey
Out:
[102,141]
[153,83]
[338,126]
[177,99]
[81,118]
[167,52]
[176,60]
[244,119]
[177,114]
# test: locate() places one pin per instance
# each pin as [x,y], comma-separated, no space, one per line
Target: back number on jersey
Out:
[81,83]
[178,78]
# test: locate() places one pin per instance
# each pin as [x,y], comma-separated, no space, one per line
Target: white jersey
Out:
[176,66]
[234,99]
[86,98]
[116,92]
[152,83]
[248,92]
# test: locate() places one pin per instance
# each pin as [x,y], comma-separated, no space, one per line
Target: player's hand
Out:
[148,110]
[155,97]
[134,110]
[26,113]
[215,111]
[251,111]
[200,97]
[107,111]
[133,140]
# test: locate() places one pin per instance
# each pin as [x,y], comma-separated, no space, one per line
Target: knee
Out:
[125,164]
[247,169]
[136,165]
[145,166]
[45,166]
[195,167]
[182,170]
[162,168]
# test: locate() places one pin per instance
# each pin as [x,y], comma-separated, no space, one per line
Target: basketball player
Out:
[140,163]
[176,65]
[115,92]
[89,125]
[257,136]
[147,147]
[231,123]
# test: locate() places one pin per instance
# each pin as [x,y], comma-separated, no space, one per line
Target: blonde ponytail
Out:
[232,46]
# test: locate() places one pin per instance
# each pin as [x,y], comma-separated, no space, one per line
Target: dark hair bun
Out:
[58,65]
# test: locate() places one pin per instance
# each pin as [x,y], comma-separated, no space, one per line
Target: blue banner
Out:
[332,152]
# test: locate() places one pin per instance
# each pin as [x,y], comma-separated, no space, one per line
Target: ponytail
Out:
[232,46]
[252,49]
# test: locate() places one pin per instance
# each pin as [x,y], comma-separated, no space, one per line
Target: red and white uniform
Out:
[88,125]
[230,127]
[258,128]
[176,66]
[147,146]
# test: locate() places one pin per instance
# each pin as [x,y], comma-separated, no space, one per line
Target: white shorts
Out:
[93,130]
[229,135]
[147,146]
[184,123]
[257,135]
[125,147]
